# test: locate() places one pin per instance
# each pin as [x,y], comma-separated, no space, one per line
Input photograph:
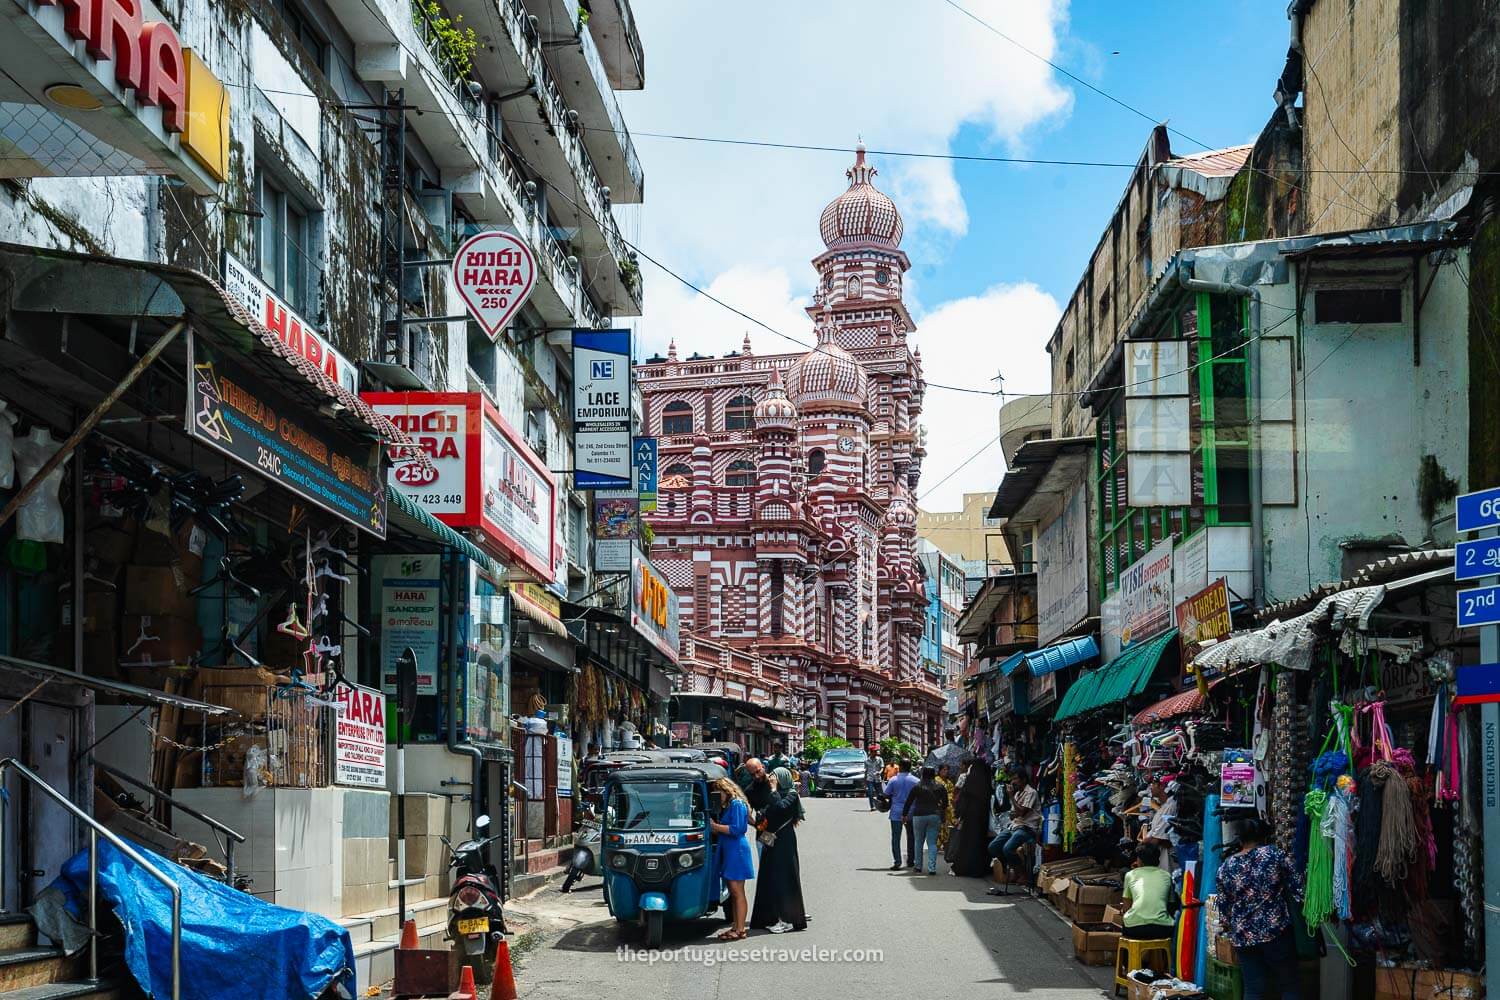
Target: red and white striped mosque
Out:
[785,519]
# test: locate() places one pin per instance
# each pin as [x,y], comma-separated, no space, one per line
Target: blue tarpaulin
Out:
[234,946]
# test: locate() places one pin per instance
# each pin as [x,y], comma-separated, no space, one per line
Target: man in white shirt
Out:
[1025,823]
[874,774]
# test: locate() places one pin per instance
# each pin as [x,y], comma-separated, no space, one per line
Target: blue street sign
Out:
[1480,606]
[645,465]
[1473,511]
[1476,559]
[1477,684]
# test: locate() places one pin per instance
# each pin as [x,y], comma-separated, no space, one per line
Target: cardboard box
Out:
[1408,983]
[1113,916]
[1224,951]
[159,639]
[1095,891]
[158,590]
[243,691]
[1095,944]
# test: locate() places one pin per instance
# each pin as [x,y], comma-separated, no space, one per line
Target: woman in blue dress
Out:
[736,864]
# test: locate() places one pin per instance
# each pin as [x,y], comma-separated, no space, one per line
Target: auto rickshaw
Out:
[594,770]
[660,857]
[733,753]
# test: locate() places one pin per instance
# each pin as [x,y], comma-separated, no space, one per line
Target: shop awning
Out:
[58,281]
[129,693]
[533,605]
[1185,703]
[785,728]
[411,517]
[1126,676]
[1050,659]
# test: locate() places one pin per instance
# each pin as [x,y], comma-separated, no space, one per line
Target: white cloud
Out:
[966,342]
[699,324]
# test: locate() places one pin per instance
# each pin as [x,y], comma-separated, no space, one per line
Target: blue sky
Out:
[995,248]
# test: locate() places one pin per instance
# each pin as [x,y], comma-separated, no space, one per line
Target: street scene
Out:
[1011,509]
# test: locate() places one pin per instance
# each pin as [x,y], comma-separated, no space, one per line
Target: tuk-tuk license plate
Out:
[474,925]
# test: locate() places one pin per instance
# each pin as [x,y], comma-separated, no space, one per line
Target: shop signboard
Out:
[1142,607]
[359,740]
[602,456]
[1041,691]
[1190,565]
[483,475]
[682,732]
[290,328]
[409,600]
[1001,696]
[494,273]
[234,412]
[653,607]
[1062,578]
[616,528]
[564,766]
[1478,684]
[645,472]
[1203,619]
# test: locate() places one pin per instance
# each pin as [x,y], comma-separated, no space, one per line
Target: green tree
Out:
[816,744]
[895,750]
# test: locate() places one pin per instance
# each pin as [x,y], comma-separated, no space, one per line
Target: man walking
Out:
[874,765]
[897,790]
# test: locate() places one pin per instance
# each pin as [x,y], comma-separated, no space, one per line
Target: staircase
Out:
[375,934]
[29,971]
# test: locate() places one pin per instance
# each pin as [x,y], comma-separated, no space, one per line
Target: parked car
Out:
[841,772]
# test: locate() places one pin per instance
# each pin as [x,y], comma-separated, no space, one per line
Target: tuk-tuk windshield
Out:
[655,805]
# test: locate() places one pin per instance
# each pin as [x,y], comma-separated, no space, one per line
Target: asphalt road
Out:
[935,936]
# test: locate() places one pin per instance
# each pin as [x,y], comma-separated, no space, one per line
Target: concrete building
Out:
[969,533]
[944,656]
[281,183]
[785,521]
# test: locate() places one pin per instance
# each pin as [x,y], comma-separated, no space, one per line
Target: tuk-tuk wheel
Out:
[654,921]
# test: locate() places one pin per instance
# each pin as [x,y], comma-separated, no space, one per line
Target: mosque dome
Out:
[862,214]
[828,375]
[775,410]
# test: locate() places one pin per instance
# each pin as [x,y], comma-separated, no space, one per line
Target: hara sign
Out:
[147,55]
[290,328]
[494,273]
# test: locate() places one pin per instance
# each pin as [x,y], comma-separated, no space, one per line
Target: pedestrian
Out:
[752,782]
[736,862]
[897,790]
[1148,895]
[971,854]
[778,758]
[945,829]
[1025,827]
[889,771]
[874,773]
[778,887]
[925,806]
[1255,885]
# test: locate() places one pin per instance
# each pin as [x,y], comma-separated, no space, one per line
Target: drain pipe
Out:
[476,770]
[1252,413]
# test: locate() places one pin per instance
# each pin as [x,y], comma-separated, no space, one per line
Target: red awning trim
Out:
[1185,703]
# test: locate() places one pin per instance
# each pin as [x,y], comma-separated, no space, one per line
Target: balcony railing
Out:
[458,82]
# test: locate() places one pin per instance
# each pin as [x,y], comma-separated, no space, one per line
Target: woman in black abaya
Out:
[778,887]
[972,852]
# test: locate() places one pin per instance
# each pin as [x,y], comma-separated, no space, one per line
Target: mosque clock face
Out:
[846,445]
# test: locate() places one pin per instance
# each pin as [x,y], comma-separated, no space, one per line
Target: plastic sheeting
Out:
[1291,643]
[234,947]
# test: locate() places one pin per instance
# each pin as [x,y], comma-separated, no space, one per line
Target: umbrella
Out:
[952,754]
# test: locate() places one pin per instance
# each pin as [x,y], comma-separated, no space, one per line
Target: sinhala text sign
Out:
[494,273]
[601,410]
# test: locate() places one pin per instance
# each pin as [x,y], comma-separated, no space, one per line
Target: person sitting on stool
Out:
[1025,826]
[1148,892]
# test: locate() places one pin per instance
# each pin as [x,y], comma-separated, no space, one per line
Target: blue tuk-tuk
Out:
[660,858]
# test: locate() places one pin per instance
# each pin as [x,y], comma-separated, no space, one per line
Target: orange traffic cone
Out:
[503,986]
[408,936]
[466,989]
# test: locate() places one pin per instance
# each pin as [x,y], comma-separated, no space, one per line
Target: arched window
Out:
[739,414]
[741,473]
[856,287]
[679,469]
[815,461]
[677,418]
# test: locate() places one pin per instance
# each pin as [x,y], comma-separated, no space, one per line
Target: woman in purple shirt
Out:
[1254,889]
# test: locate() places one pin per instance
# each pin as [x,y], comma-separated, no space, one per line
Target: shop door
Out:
[50,831]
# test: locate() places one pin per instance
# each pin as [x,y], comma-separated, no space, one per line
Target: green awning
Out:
[417,518]
[1126,676]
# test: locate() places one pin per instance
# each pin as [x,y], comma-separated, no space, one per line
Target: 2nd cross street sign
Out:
[1481,509]
[1479,606]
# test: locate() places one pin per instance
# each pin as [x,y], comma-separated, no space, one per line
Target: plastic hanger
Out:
[293,625]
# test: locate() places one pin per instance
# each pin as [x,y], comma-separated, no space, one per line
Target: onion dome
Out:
[775,410]
[861,214]
[828,377]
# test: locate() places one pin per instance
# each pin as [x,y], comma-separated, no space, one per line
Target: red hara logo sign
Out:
[147,57]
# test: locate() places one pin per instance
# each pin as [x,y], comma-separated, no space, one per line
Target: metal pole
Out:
[176,943]
[93,905]
[86,426]
[1489,752]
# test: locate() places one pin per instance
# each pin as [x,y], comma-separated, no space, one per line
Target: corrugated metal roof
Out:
[1126,676]
[1184,703]
[1009,665]
[1061,655]
[1381,571]
[1214,162]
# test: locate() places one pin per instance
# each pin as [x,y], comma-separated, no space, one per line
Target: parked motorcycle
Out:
[475,918]
[585,860]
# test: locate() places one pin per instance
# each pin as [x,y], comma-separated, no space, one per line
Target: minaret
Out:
[775,436]
[703,473]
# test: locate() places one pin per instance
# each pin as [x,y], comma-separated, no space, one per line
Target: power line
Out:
[959,468]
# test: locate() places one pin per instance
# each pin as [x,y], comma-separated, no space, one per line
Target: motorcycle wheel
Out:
[655,920]
[484,965]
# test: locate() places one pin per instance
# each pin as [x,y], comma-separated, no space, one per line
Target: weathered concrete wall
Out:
[1377,436]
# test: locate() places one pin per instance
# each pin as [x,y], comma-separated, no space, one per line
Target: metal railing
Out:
[95,829]
[204,818]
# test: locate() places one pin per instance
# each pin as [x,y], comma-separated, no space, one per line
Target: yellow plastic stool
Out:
[1131,955]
